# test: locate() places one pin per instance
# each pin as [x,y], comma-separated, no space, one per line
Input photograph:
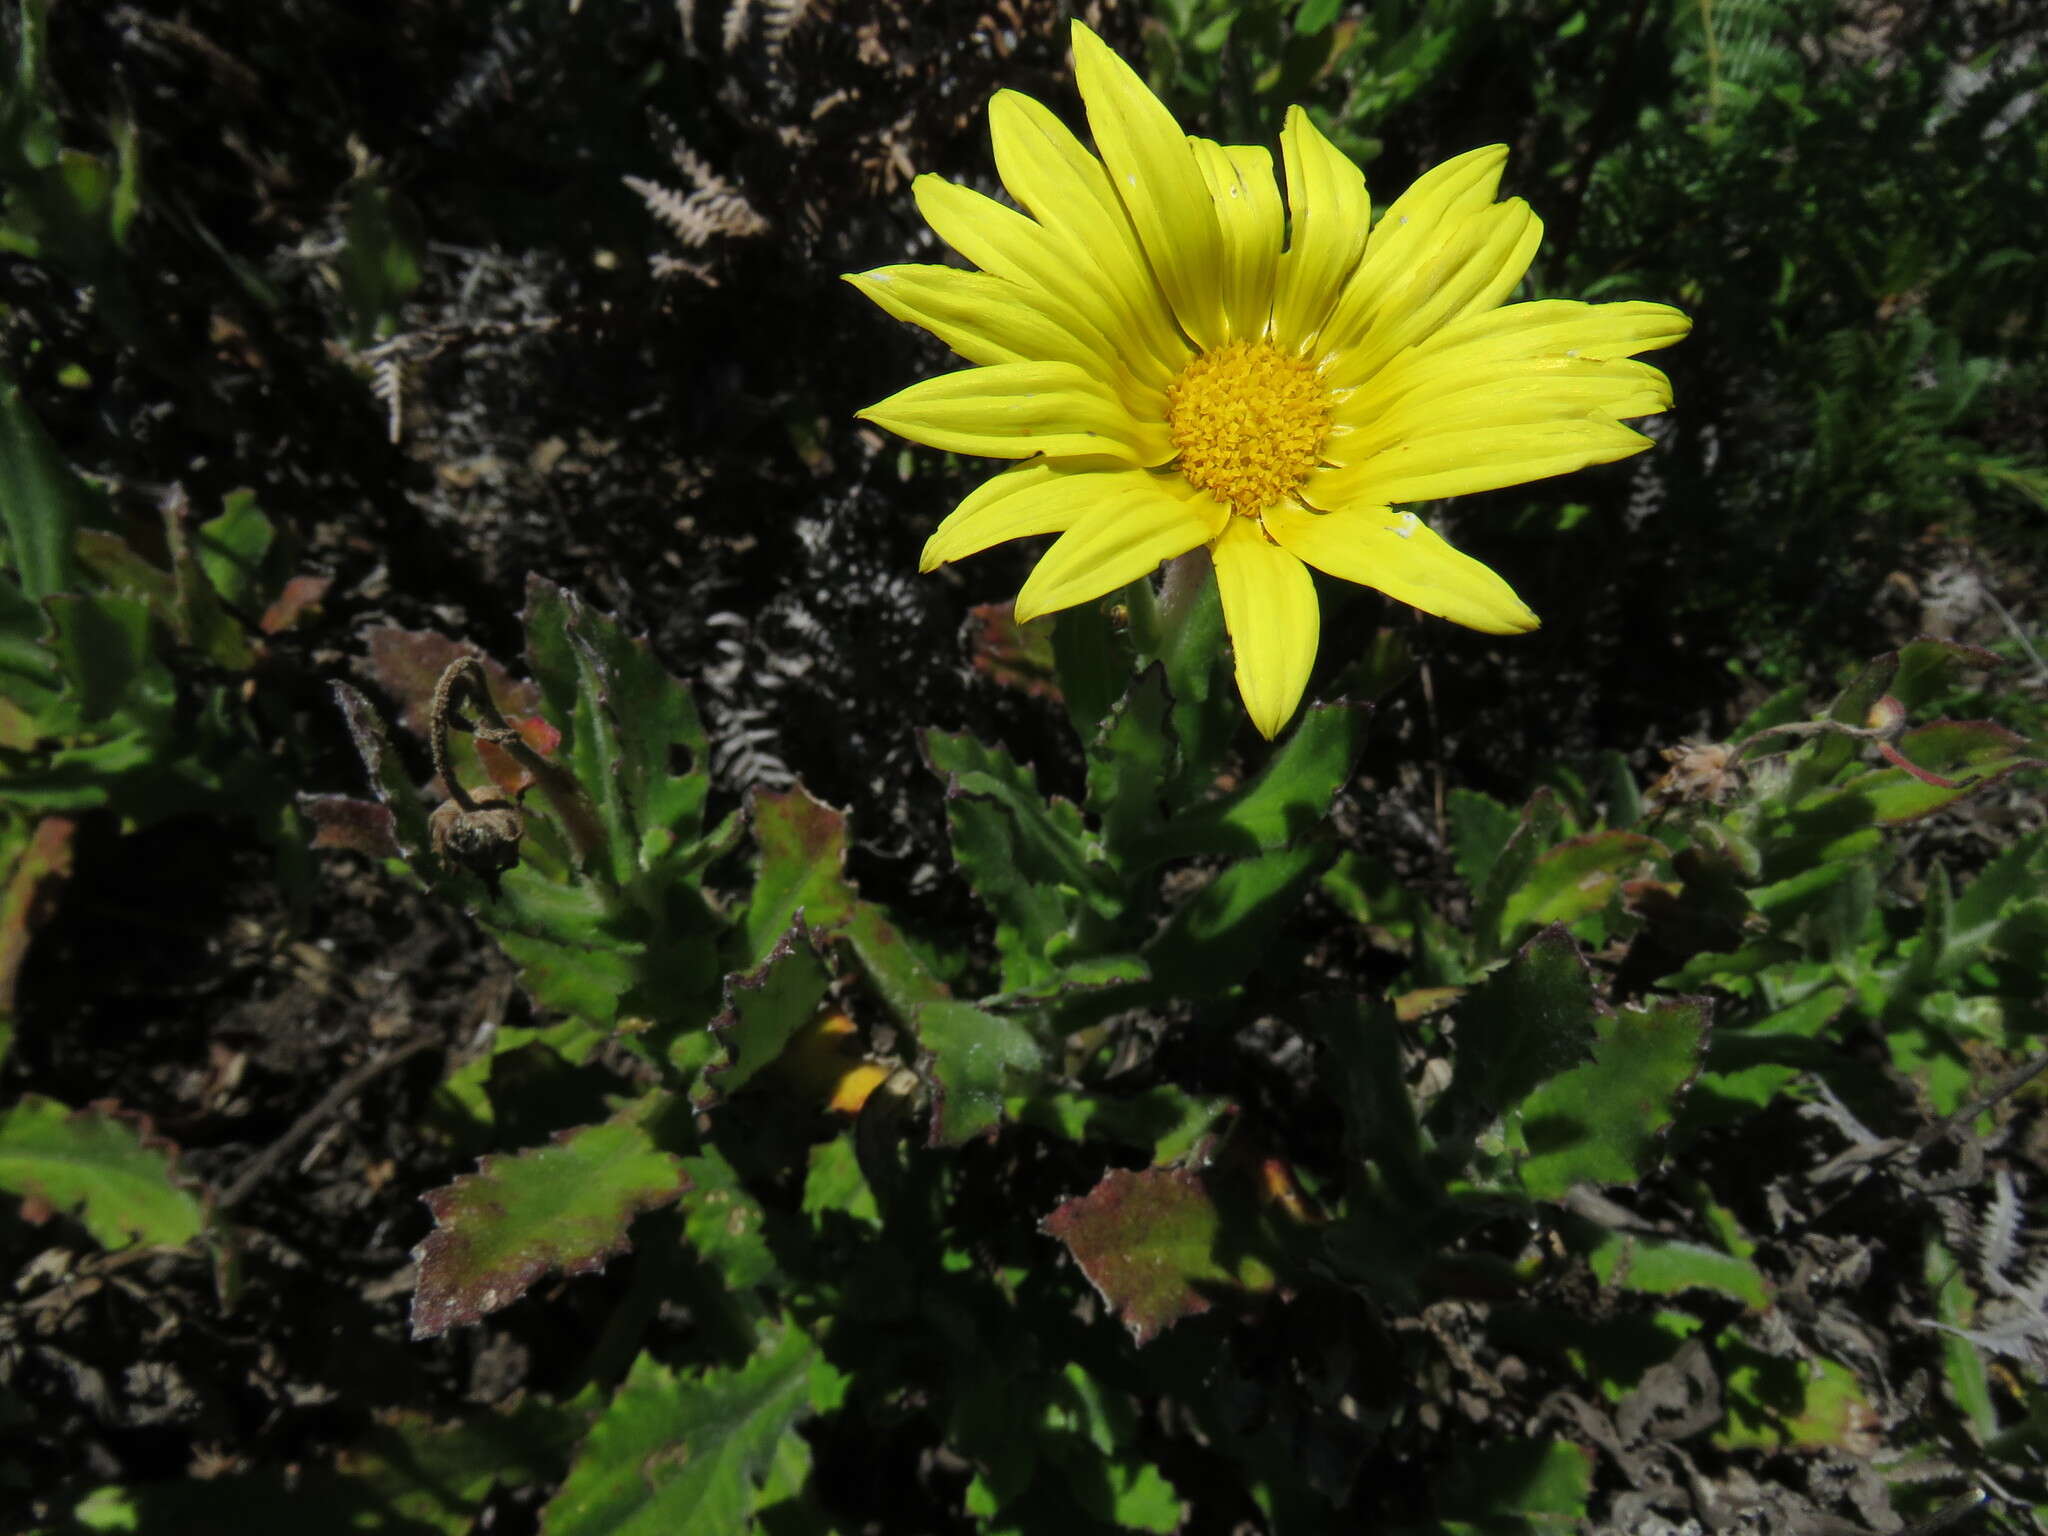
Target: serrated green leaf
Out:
[764,1010]
[973,1059]
[1129,764]
[1026,858]
[1575,879]
[1480,828]
[681,1455]
[1530,1020]
[95,1165]
[561,1208]
[1604,1122]
[801,867]
[1153,1243]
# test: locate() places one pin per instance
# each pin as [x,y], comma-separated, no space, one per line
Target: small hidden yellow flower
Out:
[1179,361]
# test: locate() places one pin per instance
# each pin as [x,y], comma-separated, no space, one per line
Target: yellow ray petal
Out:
[1152,167]
[1066,189]
[1561,328]
[1483,459]
[1031,498]
[1512,394]
[1250,219]
[1270,609]
[1397,554]
[1411,235]
[1016,410]
[985,318]
[1134,521]
[1326,198]
[1472,268]
[1003,241]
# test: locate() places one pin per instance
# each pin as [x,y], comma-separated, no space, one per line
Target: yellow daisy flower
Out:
[1180,362]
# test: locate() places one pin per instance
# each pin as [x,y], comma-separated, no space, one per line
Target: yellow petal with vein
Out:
[1031,498]
[1270,609]
[1133,522]
[1411,236]
[1016,410]
[1066,189]
[1395,553]
[1512,395]
[1331,213]
[1251,220]
[1152,167]
[1064,281]
[1472,268]
[984,318]
[1460,463]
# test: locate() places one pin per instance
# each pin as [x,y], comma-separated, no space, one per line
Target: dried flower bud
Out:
[484,839]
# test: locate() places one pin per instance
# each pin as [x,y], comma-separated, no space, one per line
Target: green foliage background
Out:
[1456,1117]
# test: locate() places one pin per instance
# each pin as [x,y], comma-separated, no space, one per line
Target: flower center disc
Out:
[1249,422]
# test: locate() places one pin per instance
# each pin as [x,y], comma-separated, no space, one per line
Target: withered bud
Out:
[483,839]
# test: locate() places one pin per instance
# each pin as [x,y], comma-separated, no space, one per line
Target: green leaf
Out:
[1027,858]
[231,548]
[1659,1266]
[380,262]
[1531,839]
[37,863]
[1480,829]
[559,1208]
[102,644]
[1218,936]
[1530,1020]
[1971,753]
[1575,879]
[1093,659]
[42,503]
[1129,764]
[973,1060]
[1542,1485]
[679,1455]
[1362,1041]
[764,1010]
[1192,647]
[631,737]
[1286,803]
[725,1223]
[1602,1123]
[98,1165]
[801,867]
[1154,1243]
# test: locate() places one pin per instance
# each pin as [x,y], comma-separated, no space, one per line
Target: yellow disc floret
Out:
[1249,423]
